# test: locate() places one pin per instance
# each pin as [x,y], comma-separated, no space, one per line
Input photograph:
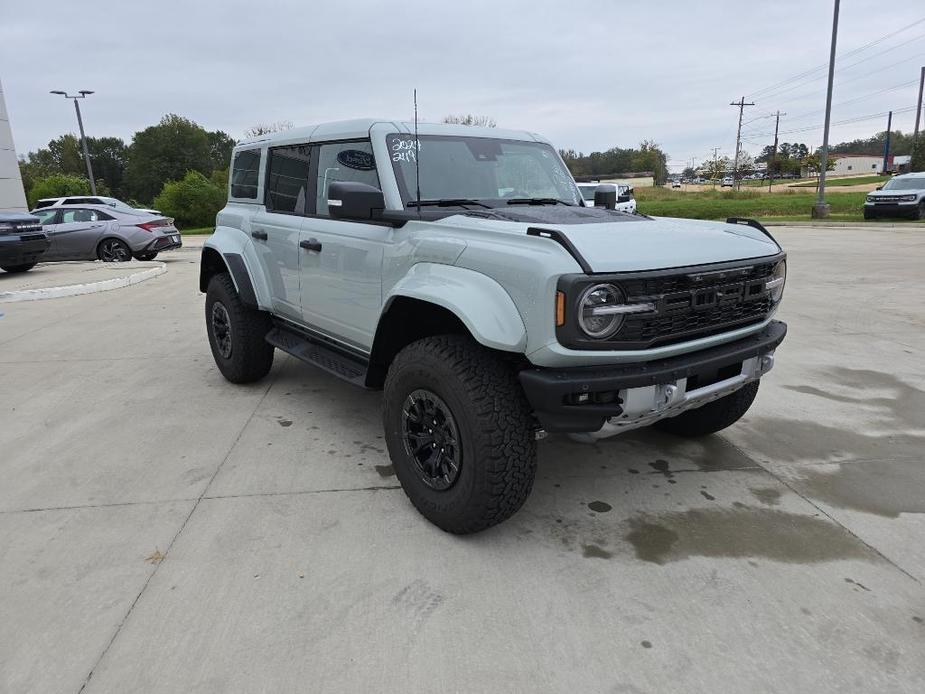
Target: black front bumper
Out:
[22,250]
[880,209]
[550,390]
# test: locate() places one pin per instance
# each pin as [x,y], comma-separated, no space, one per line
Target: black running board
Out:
[351,369]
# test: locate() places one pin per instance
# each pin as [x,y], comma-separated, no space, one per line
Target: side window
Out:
[343,161]
[287,179]
[46,216]
[244,172]
[68,216]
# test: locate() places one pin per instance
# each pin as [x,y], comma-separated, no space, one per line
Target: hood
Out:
[617,242]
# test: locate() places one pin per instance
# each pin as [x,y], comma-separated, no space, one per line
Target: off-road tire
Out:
[868,215]
[920,212]
[24,267]
[496,432]
[251,356]
[713,416]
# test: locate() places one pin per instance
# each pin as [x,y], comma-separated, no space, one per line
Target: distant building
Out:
[12,195]
[857,164]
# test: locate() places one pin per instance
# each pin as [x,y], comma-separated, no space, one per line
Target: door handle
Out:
[261,235]
[311,245]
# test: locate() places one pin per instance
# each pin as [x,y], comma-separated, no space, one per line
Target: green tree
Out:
[220,146]
[192,201]
[650,157]
[813,163]
[108,156]
[918,154]
[267,128]
[57,185]
[165,152]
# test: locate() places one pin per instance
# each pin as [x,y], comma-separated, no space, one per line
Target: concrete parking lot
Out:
[162,530]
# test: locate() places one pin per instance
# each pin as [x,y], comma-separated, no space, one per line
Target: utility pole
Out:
[886,145]
[82,94]
[735,164]
[713,173]
[918,111]
[774,153]
[821,209]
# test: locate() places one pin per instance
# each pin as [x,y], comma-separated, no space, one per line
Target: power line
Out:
[822,66]
[800,116]
[848,121]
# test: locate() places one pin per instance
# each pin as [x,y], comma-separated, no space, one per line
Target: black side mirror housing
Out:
[352,200]
[879,187]
[605,195]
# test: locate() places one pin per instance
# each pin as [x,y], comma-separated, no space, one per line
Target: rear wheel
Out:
[713,416]
[920,212]
[17,268]
[459,433]
[237,333]
[113,251]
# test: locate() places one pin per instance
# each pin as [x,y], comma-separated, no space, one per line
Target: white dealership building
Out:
[12,196]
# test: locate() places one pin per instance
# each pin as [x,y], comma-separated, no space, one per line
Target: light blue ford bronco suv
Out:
[459,270]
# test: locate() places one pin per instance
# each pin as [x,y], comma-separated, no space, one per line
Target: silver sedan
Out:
[89,232]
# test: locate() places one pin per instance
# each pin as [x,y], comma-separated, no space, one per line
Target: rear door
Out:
[276,226]
[341,261]
[75,234]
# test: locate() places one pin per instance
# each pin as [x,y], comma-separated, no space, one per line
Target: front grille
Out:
[694,304]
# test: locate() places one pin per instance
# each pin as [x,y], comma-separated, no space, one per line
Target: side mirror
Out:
[879,187]
[352,200]
[605,195]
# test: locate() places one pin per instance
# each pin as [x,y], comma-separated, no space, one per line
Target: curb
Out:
[77,289]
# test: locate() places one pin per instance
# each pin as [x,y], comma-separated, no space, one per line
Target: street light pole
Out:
[821,209]
[82,94]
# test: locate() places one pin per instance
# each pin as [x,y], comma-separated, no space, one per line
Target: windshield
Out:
[479,168]
[905,184]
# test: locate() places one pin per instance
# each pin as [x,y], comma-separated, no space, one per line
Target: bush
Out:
[192,202]
[918,154]
[57,185]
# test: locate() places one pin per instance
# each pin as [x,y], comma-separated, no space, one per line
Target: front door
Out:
[341,261]
[74,234]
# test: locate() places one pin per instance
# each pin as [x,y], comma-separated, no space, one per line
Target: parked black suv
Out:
[22,241]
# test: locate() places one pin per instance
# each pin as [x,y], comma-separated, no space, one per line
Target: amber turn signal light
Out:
[560,309]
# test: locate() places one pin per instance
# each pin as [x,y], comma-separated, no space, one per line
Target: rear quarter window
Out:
[245,171]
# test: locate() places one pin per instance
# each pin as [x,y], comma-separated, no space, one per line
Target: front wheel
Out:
[24,267]
[237,333]
[713,416]
[113,251]
[459,433]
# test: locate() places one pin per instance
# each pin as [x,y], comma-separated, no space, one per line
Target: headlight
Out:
[775,285]
[596,314]
[870,198]
[909,198]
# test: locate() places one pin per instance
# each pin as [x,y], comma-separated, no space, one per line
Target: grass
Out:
[718,204]
[197,231]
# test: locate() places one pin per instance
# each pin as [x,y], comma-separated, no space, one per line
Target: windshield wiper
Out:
[447,202]
[537,201]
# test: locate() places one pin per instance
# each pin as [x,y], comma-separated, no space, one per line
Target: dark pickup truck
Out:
[22,241]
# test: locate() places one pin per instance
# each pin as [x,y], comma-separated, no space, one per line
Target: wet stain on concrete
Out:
[385,470]
[858,584]
[633,471]
[917,619]
[592,551]
[646,644]
[600,506]
[662,466]
[285,422]
[707,496]
[883,489]
[767,496]
[740,532]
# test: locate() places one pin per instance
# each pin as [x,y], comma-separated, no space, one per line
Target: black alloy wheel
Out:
[114,251]
[221,329]
[431,439]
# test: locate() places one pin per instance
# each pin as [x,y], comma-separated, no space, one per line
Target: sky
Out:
[589,75]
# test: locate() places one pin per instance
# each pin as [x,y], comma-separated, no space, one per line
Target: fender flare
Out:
[483,305]
[237,253]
